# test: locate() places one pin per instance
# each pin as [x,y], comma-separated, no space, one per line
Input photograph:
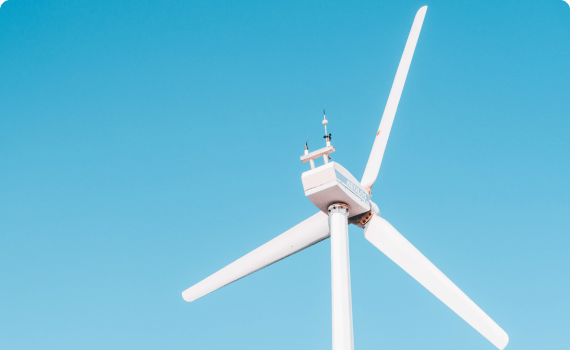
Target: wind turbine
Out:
[341,200]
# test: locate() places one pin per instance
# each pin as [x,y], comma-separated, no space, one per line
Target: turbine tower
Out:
[341,199]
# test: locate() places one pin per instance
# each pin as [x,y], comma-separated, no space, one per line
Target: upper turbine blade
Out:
[375,159]
[385,237]
[305,234]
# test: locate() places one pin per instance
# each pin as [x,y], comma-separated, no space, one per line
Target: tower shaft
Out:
[342,334]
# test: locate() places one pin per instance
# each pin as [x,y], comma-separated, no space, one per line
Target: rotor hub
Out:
[362,219]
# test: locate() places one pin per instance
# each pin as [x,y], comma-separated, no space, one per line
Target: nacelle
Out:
[331,183]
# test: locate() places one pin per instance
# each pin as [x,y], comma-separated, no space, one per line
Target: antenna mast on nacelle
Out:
[327,135]
[323,152]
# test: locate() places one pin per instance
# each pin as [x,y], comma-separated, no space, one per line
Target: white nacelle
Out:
[331,183]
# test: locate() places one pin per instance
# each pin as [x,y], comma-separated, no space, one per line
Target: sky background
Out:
[146,144]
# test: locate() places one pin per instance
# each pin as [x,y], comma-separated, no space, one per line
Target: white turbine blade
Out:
[375,159]
[390,242]
[305,234]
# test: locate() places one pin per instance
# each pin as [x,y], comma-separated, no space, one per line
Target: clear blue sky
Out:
[146,144]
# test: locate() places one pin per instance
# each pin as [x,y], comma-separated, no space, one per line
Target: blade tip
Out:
[504,341]
[188,296]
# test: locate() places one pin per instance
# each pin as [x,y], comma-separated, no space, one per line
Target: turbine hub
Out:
[362,219]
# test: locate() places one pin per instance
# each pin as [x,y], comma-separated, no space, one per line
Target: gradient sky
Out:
[146,144]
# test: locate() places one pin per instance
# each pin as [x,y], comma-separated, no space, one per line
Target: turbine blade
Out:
[375,159]
[305,234]
[390,242]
